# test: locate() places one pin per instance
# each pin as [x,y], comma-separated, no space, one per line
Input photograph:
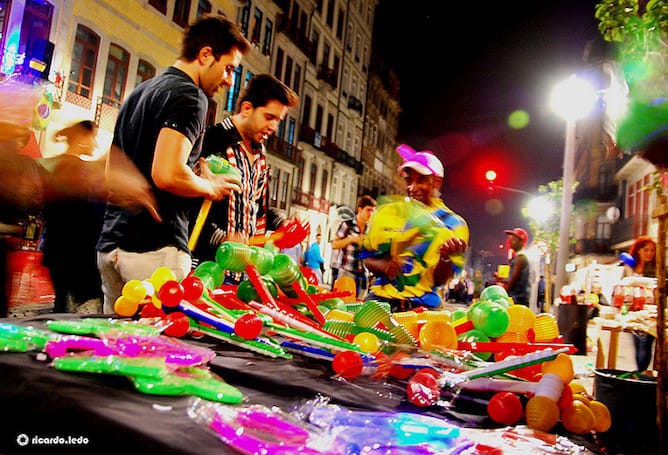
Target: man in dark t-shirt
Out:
[159,127]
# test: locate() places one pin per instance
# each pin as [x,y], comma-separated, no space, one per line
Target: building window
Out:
[244,18]
[297,79]
[203,7]
[339,25]
[288,71]
[306,112]
[116,75]
[278,69]
[330,126]
[291,131]
[233,93]
[268,35]
[273,186]
[330,14]
[285,184]
[257,26]
[247,79]
[181,12]
[314,175]
[280,131]
[300,172]
[145,71]
[84,57]
[318,118]
[160,5]
[323,184]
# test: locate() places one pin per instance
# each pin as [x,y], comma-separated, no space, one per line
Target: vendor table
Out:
[40,402]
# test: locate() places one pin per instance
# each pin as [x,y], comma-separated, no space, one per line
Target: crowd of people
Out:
[126,229]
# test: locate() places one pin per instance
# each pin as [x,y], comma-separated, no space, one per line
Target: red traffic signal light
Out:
[490,175]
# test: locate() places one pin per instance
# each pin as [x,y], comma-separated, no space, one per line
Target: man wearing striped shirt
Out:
[240,139]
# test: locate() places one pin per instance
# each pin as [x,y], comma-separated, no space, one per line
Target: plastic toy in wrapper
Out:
[17,338]
[156,365]
[149,375]
[97,326]
[407,231]
[380,432]
[257,429]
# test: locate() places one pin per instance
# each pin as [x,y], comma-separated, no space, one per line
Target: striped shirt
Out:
[350,258]
[243,212]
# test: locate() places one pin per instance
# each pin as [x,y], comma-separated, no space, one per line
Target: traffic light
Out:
[490,175]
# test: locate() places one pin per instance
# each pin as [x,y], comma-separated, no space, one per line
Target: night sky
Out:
[464,67]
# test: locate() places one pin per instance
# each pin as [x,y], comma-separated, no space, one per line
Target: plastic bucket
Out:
[572,320]
[632,404]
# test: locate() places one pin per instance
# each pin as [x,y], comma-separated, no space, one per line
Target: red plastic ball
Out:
[397,371]
[248,326]
[171,293]
[423,389]
[505,408]
[177,324]
[348,364]
[193,288]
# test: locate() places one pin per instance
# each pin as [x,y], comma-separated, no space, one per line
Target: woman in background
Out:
[643,252]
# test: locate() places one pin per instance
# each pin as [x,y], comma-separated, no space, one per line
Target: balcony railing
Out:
[309,201]
[355,104]
[328,75]
[296,35]
[623,230]
[606,193]
[322,143]
[283,149]
[598,246]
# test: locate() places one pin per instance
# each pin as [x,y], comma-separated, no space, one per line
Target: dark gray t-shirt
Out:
[170,100]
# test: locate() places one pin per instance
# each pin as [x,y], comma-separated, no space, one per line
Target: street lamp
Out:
[571,99]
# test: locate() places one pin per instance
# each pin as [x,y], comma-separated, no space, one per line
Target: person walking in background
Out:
[159,127]
[423,174]
[540,297]
[73,217]
[643,252]
[349,238]
[240,140]
[313,259]
[517,283]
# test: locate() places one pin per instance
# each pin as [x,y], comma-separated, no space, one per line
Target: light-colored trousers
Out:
[117,267]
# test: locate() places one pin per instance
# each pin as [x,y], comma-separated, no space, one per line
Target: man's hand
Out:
[222,185]
[454,246]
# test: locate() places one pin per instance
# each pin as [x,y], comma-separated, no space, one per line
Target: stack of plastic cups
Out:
[233,256]
[521,320]
[546,328]
[408,319]
[285,271]
[373,312]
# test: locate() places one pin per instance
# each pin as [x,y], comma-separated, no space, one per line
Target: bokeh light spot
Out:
[494,206]
[518,119]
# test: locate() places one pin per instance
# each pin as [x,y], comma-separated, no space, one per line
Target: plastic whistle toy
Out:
[18,338]
[150,376]
[256,430]
[217,165]
[95,326]
[175,353]
[503,366]
[385,429]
